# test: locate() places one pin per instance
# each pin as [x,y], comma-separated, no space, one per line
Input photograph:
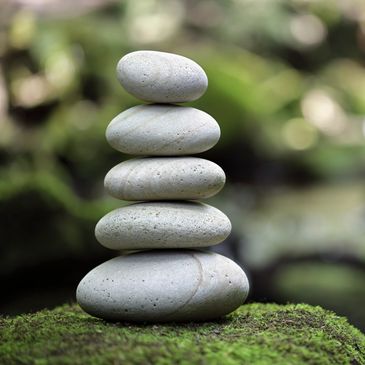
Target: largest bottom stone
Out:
[163,285]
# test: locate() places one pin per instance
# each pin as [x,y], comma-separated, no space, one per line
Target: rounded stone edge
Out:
[198,94]
[111,131]
[109,179]
[183,317]
[224,236]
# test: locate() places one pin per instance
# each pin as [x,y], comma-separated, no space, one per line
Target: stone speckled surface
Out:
[166,285]
[161,77]
[162,130]
[176,281]
[163,225]
[164,178]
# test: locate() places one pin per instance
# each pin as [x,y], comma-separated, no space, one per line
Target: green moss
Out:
[255,334]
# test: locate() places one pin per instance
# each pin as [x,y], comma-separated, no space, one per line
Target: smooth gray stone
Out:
[162,130]
[162,286]
[161,77]
[164,178]
[162,225]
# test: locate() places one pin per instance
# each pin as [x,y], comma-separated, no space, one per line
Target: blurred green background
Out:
[287,86]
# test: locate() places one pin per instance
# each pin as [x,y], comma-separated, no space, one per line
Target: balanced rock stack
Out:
[170,277]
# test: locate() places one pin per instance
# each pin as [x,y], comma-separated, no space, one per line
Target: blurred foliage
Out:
[308,281]
[286,84]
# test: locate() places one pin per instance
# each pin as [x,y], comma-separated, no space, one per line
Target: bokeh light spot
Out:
[22,29]
[321,110]
[299,134]
[308,30]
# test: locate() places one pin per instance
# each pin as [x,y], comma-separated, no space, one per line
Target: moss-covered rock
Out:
[254,334]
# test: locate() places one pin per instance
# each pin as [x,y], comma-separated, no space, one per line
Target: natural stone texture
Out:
[162,130]
[166,285]
[162,225]
[182,284]
[164,178]
[161,77]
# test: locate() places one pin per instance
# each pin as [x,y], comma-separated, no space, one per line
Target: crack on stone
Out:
[200,280]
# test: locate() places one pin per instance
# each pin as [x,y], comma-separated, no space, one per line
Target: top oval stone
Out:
[161,77]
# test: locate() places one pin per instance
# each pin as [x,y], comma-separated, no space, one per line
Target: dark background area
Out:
[287,86]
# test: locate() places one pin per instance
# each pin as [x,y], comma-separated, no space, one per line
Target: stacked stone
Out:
[169,278]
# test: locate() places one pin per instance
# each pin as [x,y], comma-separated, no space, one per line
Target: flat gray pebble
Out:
[161,77]
[162,130]
[162,286]
[164,178]
[163,225]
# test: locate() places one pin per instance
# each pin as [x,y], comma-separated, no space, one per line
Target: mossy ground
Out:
[256,334]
